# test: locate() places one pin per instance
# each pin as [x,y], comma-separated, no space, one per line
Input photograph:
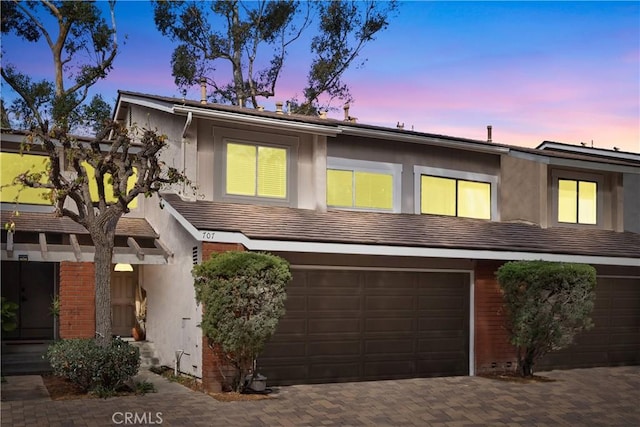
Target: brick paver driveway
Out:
[581,397]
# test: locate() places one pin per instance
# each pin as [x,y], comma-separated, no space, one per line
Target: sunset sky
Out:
[535,71]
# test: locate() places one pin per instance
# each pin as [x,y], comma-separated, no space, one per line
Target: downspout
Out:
[184,148]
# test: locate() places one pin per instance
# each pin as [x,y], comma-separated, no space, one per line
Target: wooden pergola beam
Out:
[136,247]
[76,247]
[167,253]
[44,250]
[10,244]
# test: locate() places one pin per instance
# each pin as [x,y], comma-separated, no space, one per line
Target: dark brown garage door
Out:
[355,325]
[615,338]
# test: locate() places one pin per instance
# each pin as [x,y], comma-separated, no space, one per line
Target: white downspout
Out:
[184,148]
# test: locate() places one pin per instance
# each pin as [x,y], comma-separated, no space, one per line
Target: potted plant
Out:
[139,331]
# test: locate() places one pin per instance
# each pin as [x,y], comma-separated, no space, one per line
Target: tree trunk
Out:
[104,243]
[525,364]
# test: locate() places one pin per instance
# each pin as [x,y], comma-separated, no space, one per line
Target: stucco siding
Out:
[523,191]
[172,313]
[631,197]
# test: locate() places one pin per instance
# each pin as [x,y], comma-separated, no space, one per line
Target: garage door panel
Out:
[442,344]
[384,346]
[434,368]
[389,324]
[335,371]
[626,321]
[291,348]
[333,303]
[334,348]
[365,325]
[334,325]
[441,302]
[288,373]
[387,281]
[385,302]
[338,280]
[295,303]
[441,323]
[389,369]
[291,326]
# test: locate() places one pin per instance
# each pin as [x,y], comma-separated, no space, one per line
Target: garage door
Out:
[356,325]
[615,338]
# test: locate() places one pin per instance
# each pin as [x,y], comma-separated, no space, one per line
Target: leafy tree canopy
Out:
[240,48]
[83,50]
[547,304]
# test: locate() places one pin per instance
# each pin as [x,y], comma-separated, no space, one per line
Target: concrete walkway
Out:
[580,397]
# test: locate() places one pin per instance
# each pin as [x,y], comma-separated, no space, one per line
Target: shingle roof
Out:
[431,231]
[47,222]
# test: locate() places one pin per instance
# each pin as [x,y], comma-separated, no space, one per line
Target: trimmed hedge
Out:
[92,367]
[547,304]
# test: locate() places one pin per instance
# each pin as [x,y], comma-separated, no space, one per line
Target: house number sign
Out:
[207,235]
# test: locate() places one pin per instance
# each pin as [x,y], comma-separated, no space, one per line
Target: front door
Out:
[123,302]
[32,286]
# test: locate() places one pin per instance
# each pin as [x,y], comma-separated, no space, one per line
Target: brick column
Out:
[213,364]
[493,352]
[77,300]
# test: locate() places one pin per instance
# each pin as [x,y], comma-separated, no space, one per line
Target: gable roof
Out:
[397,231]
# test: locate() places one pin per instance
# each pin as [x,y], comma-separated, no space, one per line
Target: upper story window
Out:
[14,164]
[256,170]
[577,201]
[363,185]
[455,193]
[577,197]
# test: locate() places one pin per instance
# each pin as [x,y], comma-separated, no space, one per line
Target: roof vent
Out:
[489,129]
[279,107]
[347,117]
[203,90]
[400,125]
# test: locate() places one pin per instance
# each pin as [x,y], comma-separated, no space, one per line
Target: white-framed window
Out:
[455,193]
[256,170]
[577,198]
[363,185]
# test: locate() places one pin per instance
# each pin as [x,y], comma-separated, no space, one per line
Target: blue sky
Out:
[562,71]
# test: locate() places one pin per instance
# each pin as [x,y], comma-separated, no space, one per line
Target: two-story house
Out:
[393,237]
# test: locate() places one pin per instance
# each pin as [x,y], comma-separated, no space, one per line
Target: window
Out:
[577,201]
[455,193]
[14,164]
[360,184]
[256,170]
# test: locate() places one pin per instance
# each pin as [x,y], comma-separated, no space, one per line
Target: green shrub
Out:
[243,295]
[547,304]
[92,367]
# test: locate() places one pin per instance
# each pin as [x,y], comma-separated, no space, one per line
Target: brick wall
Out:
[493,352]
[77,300]
[213,366]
